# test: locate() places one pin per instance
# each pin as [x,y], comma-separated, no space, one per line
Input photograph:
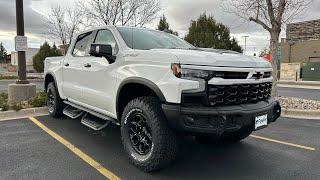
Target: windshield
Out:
[145,39]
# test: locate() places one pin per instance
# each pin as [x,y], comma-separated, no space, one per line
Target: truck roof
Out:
[114,27]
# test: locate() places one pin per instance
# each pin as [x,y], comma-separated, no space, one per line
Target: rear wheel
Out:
[54,102]
[146,137]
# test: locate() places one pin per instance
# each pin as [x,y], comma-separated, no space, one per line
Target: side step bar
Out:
[72,112]
[94,122]
[92,119]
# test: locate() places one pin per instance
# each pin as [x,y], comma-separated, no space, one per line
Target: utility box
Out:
[311,71]
[290,71]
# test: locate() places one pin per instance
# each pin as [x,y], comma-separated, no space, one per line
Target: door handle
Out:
[87,65]
[66,64]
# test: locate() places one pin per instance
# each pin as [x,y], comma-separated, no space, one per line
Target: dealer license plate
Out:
[261,121]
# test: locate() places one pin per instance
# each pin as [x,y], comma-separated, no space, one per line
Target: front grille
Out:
[221,95]
[265,75]
[229,75]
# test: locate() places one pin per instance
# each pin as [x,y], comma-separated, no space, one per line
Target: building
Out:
[29,58]
[300,52]
[302,42]
[307,30]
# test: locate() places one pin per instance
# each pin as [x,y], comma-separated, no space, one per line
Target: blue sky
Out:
[178,12]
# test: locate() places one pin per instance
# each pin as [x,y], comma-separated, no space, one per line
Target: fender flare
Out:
[142,81]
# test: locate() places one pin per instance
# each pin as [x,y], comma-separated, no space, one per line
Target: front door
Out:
[99,79]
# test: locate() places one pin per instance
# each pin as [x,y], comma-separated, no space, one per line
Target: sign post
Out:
[21,44]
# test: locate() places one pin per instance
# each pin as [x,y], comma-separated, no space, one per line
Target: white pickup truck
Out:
[155,86]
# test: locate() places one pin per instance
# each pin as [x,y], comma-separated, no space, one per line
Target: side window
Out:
[81,44]
[105,37]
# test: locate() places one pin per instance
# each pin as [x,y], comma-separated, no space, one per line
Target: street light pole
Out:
[22,75]
[245,44]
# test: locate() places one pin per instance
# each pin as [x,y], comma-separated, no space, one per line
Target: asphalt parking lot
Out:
[47,148]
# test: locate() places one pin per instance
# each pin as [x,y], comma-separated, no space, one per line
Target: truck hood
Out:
[213,57]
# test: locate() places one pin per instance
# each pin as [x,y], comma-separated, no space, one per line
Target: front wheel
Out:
[146,137]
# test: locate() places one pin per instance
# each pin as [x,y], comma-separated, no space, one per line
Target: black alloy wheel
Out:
[139,133]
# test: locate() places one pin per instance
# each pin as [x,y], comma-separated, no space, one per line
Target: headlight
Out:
[190,73]
[195,73]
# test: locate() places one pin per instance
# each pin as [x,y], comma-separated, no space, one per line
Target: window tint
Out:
[81,44]
[105,37]
[145,39]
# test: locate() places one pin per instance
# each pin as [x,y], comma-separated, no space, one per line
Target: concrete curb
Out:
[298,86]
[23,113]
[301,114]
[30,80]
[302,83]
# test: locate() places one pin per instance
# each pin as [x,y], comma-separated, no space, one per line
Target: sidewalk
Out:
[29,75]
[300,84]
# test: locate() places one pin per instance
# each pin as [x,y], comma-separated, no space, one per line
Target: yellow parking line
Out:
[108,174]
[282,142]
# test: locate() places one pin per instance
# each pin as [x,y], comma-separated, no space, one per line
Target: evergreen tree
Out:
[205,32]
[55,50]
[3,53]
[45,51]
[164,26]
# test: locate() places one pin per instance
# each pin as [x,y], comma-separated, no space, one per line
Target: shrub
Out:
[4,102]
[17,107]
[8,77]
[39,100]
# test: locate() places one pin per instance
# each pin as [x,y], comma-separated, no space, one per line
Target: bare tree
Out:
[63,23]
[271,15]
[120,12]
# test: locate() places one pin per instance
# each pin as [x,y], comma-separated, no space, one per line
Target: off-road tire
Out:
[57,108]
[164,141]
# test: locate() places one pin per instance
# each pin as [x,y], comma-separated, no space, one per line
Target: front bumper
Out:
[219,120]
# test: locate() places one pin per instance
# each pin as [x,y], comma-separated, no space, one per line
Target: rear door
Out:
[73,67]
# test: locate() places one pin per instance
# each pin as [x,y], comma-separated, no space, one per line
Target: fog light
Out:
[189,120]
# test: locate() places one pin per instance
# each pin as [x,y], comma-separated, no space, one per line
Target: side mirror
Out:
[102,50]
